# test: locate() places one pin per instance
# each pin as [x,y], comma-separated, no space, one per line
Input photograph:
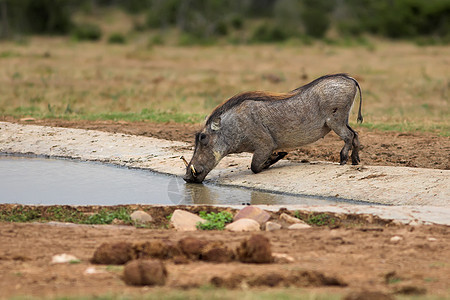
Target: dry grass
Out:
[405,87]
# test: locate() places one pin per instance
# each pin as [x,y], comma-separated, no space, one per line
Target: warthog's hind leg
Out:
[346,133]
[355,149]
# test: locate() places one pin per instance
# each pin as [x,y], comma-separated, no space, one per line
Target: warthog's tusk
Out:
[194,172]
[185,161]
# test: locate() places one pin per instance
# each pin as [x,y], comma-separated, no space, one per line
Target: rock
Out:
[395,239]
[141,217]
[29,119]
[271,226]
[92,271]
[257,249]
[145,272]
[185,221]
[290,219]
[113,254]
[192,247]
[243,225]
[254,213]
[282,258]
[64,258]
[299,226]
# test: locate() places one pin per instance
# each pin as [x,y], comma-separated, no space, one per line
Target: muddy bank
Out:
[375,184]
[378,148]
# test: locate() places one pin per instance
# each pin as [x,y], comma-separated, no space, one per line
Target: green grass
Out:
[210,293]
[316,219]
[64,214]
[144,115]
[215,221]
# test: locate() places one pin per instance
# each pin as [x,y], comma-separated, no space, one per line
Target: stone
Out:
[271,226]
[145,272]
[64,258]
[141,217]
[396,239]
[113,253]
[254,213]
[290,219]
[282,258]
[257,249]
[185,221]
[299,226]
[243,225]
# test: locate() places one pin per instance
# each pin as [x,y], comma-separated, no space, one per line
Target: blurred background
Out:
[175,60]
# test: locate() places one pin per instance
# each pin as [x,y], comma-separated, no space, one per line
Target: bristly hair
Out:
[263,96]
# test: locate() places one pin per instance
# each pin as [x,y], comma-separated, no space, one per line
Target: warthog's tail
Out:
[360,117]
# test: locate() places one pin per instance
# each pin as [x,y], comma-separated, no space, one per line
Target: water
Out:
[25,180]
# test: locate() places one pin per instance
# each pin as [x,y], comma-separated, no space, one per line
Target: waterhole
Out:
[33,181]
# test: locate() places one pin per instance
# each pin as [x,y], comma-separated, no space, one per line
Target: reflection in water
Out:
[68,182]
[262,198]
[200,194]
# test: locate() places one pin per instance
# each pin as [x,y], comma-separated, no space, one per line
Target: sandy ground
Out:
[363,258]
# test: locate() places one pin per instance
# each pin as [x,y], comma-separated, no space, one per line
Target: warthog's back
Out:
[300,118]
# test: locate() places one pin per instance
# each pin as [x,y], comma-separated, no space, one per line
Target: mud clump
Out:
[192,247]
[145,272]
[277,279]
[256,249]
[313,278]
[233,281]
[269,279]
[113,253]
[217,252]
[156,249]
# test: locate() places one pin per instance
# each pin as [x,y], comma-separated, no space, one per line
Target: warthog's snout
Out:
[194,174]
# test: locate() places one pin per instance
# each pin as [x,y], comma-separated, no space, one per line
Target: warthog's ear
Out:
[215,124]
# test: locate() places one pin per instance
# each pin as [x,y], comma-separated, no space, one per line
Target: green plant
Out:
[106,217]
[87,32]
[266,33]
[117,38]
[215,221]
[320,220]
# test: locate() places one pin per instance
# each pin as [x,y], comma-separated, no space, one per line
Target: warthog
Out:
[264,123]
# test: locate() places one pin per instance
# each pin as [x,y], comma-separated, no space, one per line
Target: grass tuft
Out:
[215,221]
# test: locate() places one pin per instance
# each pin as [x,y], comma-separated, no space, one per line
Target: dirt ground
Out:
[417,264]
[422,150]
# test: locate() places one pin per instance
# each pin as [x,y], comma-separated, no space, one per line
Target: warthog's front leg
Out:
[274,157]
[264,159]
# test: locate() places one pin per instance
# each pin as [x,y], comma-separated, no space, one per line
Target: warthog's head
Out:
[207,154]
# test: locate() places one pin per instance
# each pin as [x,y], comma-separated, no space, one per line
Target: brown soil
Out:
[343,260]
[422,150]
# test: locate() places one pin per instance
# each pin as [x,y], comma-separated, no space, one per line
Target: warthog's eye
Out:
[203,138]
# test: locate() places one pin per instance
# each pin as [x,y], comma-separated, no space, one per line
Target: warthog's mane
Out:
[264,96]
